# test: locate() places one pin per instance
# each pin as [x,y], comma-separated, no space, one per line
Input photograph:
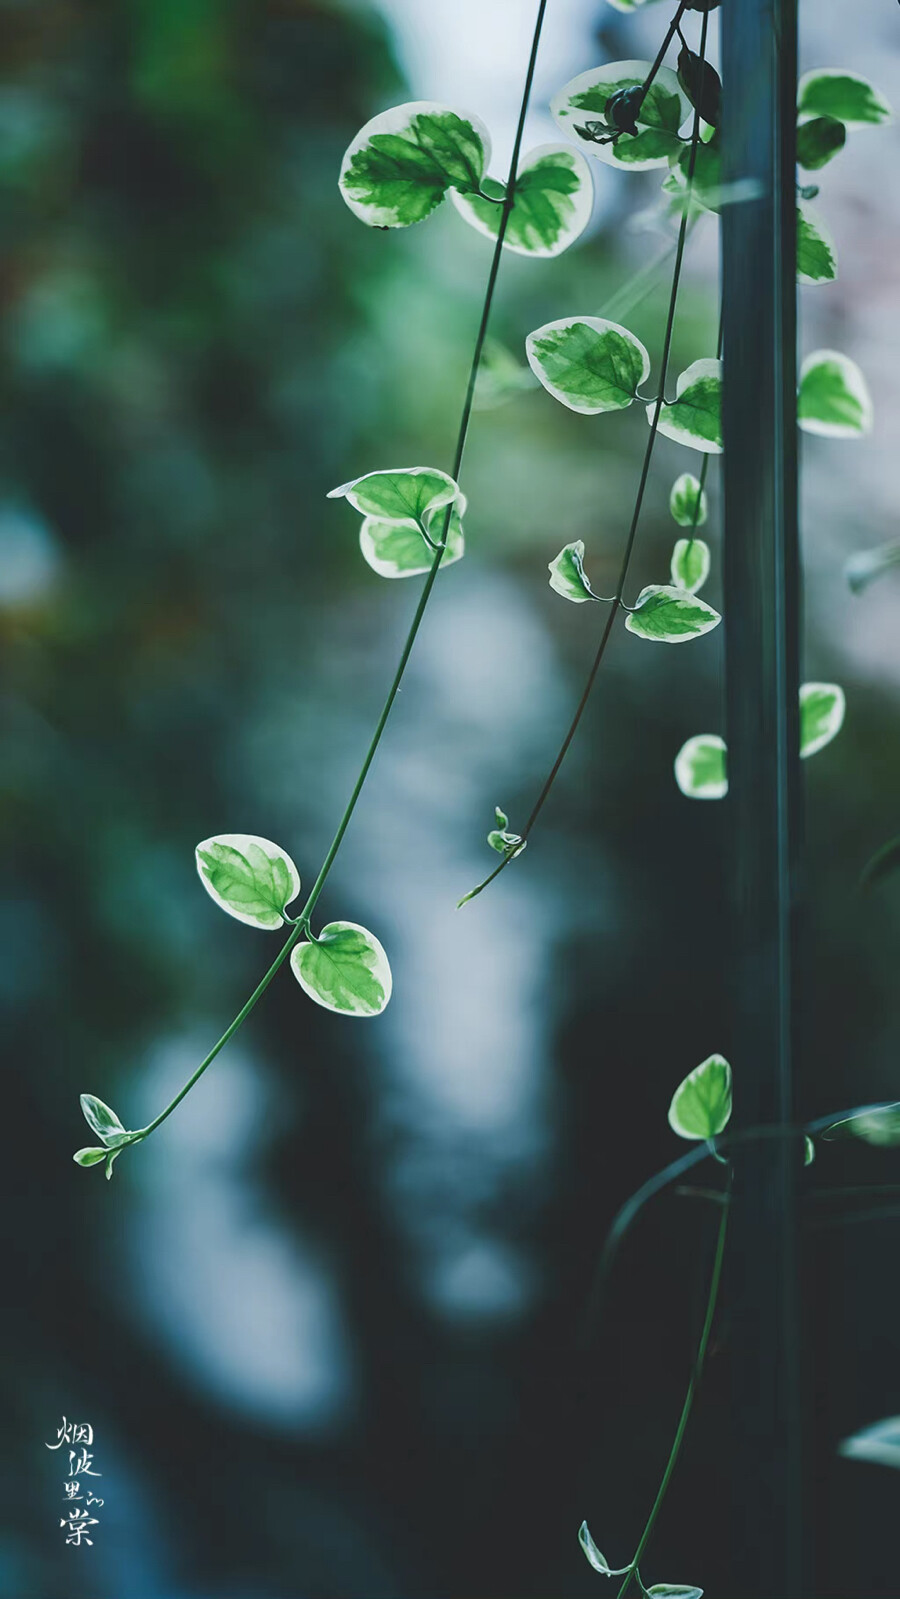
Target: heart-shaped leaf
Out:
[695,415]
[690,564]
[834,399]
[587,363]
[687,501]
[401,164]
[345,969]
[701,1105]
[249,877]
[399,549]
[700,767]
[833,92]
[399,494]
[552,206]
[597,1560]
[567,575]
[816,256]
[818,141]
[580,109]
[822,708]
[671,615]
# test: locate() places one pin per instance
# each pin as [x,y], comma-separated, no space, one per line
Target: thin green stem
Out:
[686,1408]
[302,922]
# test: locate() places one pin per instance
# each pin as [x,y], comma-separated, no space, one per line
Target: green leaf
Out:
[834,400]
[345,969]
[818,142]
[670,615]
[110,1159]
[879,1126]
[399,549]
[401,164]
[816,257]
[822,707]
[100,1119]
[695,415]
[567,575]
[702,85]
[878,1444]
[552,207]
[866,565]
[500,838]
[701,1105]
[809,1151]
[701,770]
[674,1590]
[597,1560]
[687,501]
[249,877]
[833,92]
[398,494]
[690,564]
[580,111]
[587,363]
[89,1157]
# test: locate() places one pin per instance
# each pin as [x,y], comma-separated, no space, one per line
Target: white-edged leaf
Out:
[822,708]
[809,1151]
[552,206]
[249,877]
[567,575]
[89,1156]
[670,615]
[596,1559]
[695,415]
[879,1126]
[675,1590]
[345,969]
[580,110]
[701,767]
[100,1119]
[401,164]
[687,501]
[399,549]
[500,838]
[587,363]
[701,1105]
[690,564]
[879,1444]
[396,494]
[834,92]
[816,254]
[834,399]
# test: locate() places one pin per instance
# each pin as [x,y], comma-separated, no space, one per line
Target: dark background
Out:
[328,1325]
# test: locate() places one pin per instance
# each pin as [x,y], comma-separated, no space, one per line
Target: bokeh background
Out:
[328,1325]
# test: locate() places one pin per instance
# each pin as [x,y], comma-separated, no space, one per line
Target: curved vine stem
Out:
[616,603]
[696,1374]
[301,923]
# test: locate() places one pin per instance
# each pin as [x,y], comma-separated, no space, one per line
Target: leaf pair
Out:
[106,1125]
[701,770]
[406,511]
[404,162]
[665,613]
[660,1590]
[344,968]
[591,365]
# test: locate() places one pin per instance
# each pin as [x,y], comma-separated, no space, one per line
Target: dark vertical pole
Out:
[759,69]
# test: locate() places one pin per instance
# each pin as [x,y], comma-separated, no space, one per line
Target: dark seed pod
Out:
[623,108]
[701,84]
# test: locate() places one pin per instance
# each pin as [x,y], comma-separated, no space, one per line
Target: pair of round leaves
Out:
[665,613]
[701,765]
[404,162]
[592,365]
[660,1590]
[404,512]
[344,968]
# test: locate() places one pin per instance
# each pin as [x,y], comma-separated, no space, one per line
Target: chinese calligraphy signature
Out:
[79,1435]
